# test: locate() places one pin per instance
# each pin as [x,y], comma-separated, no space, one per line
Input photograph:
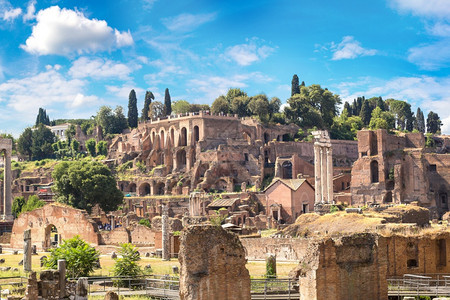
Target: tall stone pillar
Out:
[165,233]
[6,149]
[330,174]
[318,192]
[62,278]
[27,250]
[323,174]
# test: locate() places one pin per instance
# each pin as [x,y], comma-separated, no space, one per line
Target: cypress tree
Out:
[295,88]
[148,100]
[132,110]
[167,103]
[365,113]
[433,122]
[420,120]
[380,103]
[348,108]
[42,117]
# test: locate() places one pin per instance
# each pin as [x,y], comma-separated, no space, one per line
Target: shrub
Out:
[127,265]
[145,222]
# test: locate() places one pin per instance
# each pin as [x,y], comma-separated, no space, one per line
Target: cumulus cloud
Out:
[350,48]
[31,9]
[432,56]
[187,22]
[64,31]
[246,54]
[99,68]
[424,8]
[11,14]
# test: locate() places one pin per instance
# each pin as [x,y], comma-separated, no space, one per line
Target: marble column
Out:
[330,174]
[7,215]
[317,187]
[323,174]
[27,250]
[165,233]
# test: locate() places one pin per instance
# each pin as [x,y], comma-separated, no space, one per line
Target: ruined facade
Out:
[6,150]
[399,169]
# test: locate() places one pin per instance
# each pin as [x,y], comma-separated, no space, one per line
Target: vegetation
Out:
[42,117]
[83,184]
[80,257]
[32,203]
[127,264]
[132,110]
[36,144]
[433,123]
[167,103]
[145,222]
[112,122]
[148,100]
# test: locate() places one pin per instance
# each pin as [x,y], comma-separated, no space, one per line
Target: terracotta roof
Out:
[293,184]
[223,202]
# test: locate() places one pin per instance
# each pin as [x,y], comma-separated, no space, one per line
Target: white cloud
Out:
[349,48]
[187,22]
[424,8]
[64,31]
[11,14]
[31,9]
[122,92]
[99,68]
[428,93]
[246,54]
[432,56]
[148,4]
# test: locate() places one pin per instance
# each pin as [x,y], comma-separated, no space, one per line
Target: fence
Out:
[420,285]
[12,286]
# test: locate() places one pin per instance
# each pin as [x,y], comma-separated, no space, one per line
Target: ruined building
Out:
[400,169]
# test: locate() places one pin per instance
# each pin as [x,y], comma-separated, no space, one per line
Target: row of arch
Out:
[182,138]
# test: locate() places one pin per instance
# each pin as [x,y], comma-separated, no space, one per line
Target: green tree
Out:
[220,105]
[365,112]
[75,146]
[433,123]
[102,148]
[274,107]
[259,106]
[25,142]
[345,127]
[295,87]
[90,146]
[156,110]
[148,100]
[402,113]
[234,93]
[420,121]
[199,107]
[80,257]
[381,119]
[348,108]
[127,264]
[83,184]
[112,122]
[17,206]
[42,139]
[32,203]
[132,110]
[181,107]
[239,106]
[42,117]
[167,103]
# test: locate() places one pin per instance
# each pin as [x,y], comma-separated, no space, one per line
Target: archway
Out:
[183,139]
[160,188]
[132,188]
[374,171]
[161,134]
[388,197]
[286,168]
[144,189]
[51,236]
[266,137]
[181,159]
[172,136]
[196,134]
[443,199]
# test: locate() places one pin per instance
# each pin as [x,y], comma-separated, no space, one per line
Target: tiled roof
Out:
[223,202]
[293,184]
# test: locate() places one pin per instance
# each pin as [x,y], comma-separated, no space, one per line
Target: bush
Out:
[127,265]
[80,257]
[145,222]
[32,203]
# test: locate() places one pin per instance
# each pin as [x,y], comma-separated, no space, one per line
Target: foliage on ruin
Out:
[17,205]
[32,203]
[217,219]
[145,222]
[80,257]
[83,184]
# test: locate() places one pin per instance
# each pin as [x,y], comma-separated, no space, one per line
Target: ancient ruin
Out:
[323,167]
[6,149]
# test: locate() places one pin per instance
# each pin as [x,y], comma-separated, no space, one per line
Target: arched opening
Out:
[183,139]
[374,171]
[161,134]
[388,197]
[181,159]
[221,185]
[266,137]
[443,198]
[160,188]
[247,137]
[286,168]
[196,134]
[153,137]
[132,188]
[172,136]
[144,189]
[52,238]
[374,146]
[286,137]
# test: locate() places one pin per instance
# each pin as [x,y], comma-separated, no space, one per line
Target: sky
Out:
[71,57]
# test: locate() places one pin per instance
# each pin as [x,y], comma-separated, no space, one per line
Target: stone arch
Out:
[51,239]
[183,137]
[286,170]
[374,176]
[153,136]
[172,135]
[443,199]
[132,187]
[159,188]
[266,138]
[388,197]
[144,189]
[181,159]
[161,136]
[196,134]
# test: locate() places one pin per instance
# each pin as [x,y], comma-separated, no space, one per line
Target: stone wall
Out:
[212,265]
[287,249]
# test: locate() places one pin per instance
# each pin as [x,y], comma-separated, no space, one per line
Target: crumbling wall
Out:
[283,248]
[212,265]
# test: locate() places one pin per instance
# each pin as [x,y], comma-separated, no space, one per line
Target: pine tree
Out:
[302,84]
[42,117]
[148,100]
[348,108]
[380,103]
[132,110]
[167,103]
[433,122]
[420,120]
[365,113]
[295,88]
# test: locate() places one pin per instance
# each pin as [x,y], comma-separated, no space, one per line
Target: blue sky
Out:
[71,57]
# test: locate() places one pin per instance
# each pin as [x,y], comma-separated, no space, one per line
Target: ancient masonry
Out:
[165,233]
[323,167]
[6,149]
[212,265]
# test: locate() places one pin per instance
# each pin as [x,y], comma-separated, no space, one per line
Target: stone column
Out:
[81,289]
[27,250]
[7,215]
[323,174]
[113,223]
[62,278]
[330,174]
[317,188]
[165,233]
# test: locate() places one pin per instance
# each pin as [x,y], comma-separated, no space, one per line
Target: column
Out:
[318,192]
[27,250]
[7,215]
[323,174]
[165,233]
[62,278]
[330,174]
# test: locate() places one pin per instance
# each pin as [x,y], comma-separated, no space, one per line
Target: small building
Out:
[60,130]
[286,199]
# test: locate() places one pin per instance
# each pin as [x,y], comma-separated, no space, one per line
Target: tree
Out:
[156,110]
[295,88]
[90,146]
[259,106]
[167,103]
[17,205]
[181,107]
[274,106]
[24,143]
[32,203]
[220,105]
[234,93]
[102,148]
[148,100]
[83,184]
[111,121]
[402,113]
[381,119]
[199,107]
[348,109]
[42,117]
[433,123]
[127,264]
[41,143]
[365,112]
[301,112]
[420,121]
[345,127]
[80,257]
[132,110]
[239,106]
[75,146]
